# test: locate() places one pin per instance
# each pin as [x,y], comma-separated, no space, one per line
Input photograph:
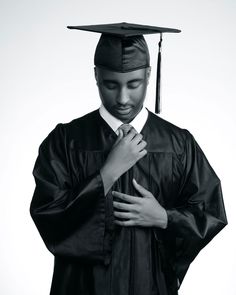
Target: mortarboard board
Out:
[122,48]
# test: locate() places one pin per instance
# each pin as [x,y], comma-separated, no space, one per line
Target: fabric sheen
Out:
[94,256]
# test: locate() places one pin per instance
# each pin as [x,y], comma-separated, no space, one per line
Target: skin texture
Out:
[124,154]
[144,211]
[123,95]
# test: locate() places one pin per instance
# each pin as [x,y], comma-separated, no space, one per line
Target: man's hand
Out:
[124,154]
[145,211]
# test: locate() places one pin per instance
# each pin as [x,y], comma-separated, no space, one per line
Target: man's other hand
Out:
[139,211]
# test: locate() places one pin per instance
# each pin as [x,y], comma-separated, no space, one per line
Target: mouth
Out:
[123,111]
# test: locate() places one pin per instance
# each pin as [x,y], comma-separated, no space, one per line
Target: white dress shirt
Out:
[138,122]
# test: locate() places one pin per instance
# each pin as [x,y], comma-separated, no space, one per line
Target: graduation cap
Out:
[122,48]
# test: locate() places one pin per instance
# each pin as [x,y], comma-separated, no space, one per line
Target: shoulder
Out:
[159,123]
[173,138]
[85,121]
[72,129]
[81,123]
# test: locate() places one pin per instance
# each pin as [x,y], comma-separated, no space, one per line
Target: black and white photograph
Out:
[117,147]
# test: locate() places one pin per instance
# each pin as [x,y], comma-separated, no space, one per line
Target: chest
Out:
[159,172]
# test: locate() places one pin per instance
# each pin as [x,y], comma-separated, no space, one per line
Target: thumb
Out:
[120,136]
[144,192]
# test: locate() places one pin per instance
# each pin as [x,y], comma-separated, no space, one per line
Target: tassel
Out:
[158,82]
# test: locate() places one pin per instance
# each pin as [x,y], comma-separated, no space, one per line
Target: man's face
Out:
[122,94]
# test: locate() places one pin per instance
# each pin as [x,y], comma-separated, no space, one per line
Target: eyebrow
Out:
[109,81]
[130,81]
[136,80]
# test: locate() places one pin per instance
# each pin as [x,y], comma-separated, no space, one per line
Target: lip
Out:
[123,111]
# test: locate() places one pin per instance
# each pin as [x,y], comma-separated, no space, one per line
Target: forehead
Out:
[121,77]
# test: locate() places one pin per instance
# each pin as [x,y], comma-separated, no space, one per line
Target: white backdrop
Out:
[46,74]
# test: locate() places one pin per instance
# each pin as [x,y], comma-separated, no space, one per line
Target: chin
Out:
[126,119]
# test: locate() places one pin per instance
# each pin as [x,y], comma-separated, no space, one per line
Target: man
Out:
[124,208]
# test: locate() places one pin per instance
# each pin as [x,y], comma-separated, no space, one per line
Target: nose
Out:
[123,96]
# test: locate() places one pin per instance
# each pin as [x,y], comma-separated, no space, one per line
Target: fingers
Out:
[120,136]
[142,153]
[134,136]
[136,141]
[124,218]
[144,192]
[123,215]
[131,134]
[142,145]
[137,138]
[126,198]
[123,206]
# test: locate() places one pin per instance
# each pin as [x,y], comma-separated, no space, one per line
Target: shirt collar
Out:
[138,122]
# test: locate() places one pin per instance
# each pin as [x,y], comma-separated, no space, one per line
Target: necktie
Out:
[125,128]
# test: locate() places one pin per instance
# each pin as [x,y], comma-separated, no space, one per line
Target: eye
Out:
[110,85]
[134,84]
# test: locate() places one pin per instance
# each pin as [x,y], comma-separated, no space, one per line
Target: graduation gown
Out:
[93,256]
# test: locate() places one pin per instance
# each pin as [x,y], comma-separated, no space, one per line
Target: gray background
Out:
[46,77]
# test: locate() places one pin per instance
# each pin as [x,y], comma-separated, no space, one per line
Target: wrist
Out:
[107,178]
[108,174]
[164,222]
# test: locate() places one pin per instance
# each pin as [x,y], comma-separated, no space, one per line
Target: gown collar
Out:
[138,122]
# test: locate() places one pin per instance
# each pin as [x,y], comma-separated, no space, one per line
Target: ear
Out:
[96,74]
[148,74]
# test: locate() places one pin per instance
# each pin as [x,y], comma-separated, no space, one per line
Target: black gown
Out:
[93,256]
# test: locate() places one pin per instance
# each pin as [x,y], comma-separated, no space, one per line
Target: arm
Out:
[183,230]
[70,218]
[76,220]
[199,212]
[124,154]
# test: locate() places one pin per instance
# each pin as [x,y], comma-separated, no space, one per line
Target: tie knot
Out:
[125,128]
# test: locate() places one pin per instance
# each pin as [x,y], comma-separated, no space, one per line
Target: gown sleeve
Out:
[71,219]
[198,214]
